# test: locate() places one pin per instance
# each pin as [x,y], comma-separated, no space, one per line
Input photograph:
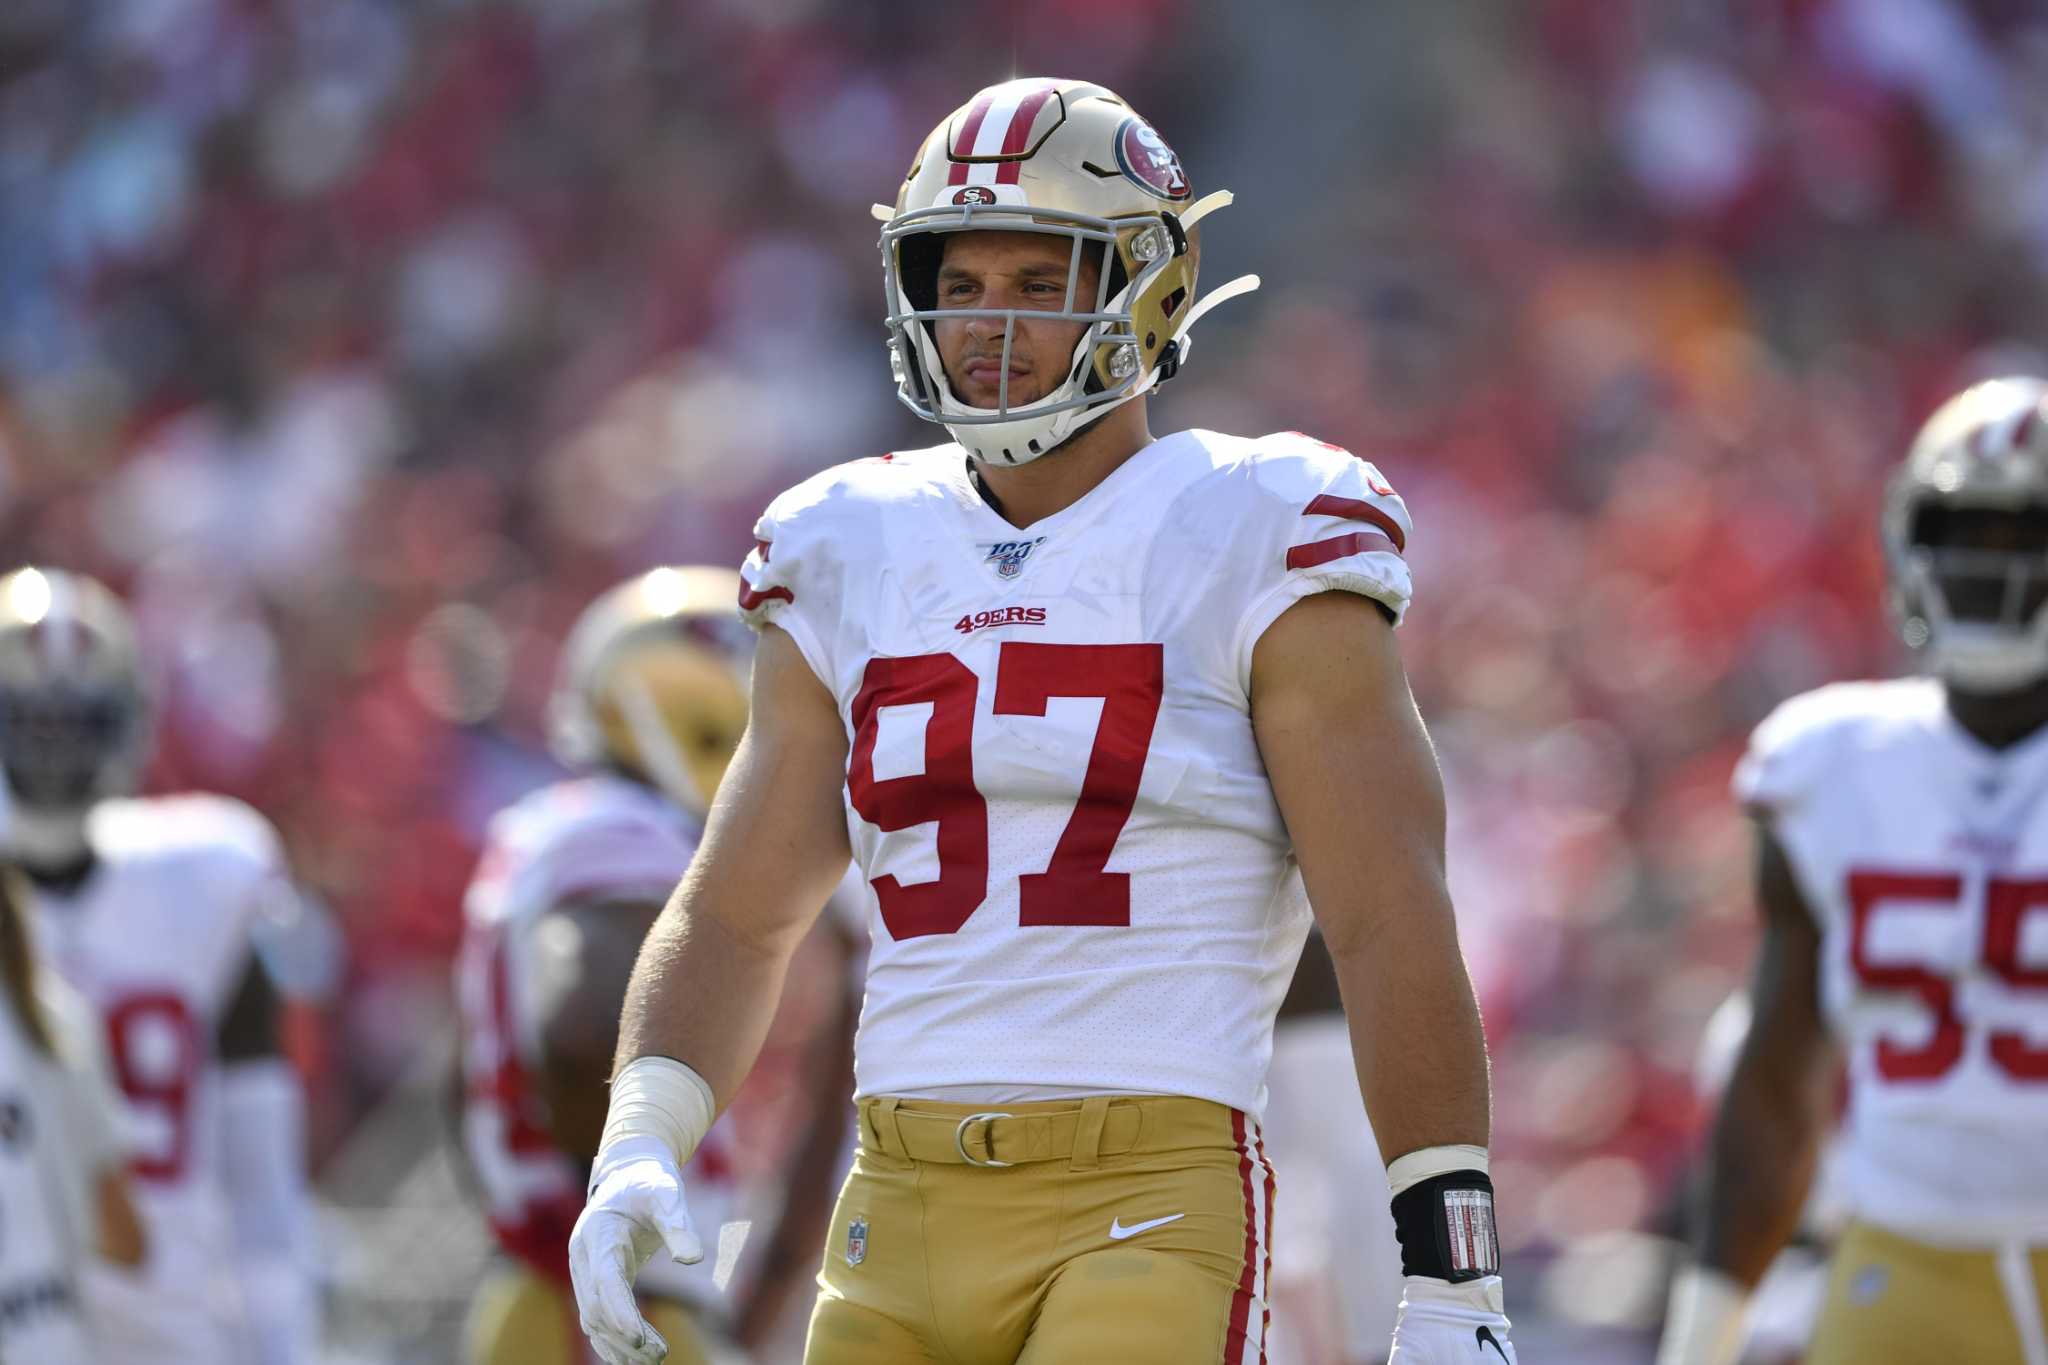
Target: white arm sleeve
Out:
[263,1112]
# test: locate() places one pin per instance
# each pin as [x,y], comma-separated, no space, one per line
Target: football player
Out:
[1088,709]
[648,705]
[1903,875]
[150,908]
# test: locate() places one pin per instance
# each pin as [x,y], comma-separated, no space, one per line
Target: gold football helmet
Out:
[652,683]
[1966,537]
[74,721]
[1072,160]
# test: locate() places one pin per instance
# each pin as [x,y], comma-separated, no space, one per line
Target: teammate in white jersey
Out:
[1903,874]
[149,908]
[1088,709]
[648,705]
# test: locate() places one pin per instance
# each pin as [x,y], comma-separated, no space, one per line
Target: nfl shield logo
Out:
[1008,556]
[857,1241]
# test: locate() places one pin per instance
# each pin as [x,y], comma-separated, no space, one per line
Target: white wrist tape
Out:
[659,1098]
[1703,1325]
[1432,1162]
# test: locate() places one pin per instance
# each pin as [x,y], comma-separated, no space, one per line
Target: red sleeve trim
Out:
[749,599]
[1355,509]
[1323,551]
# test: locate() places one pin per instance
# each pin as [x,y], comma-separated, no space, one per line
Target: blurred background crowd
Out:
[360,342]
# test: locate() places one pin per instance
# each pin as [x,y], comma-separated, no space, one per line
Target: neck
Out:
[1060,478]
[1999,720]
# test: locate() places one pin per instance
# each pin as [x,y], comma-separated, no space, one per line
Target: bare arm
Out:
[710,973]
[583,958]
[1775,1109]
[117,1227]
[1359,789]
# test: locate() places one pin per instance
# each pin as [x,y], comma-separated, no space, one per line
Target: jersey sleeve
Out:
[1328,523]
[1790,754]
[791,579]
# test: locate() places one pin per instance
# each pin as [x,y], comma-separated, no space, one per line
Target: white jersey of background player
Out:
[148,907]
[1905,879]
[63,1158]
[1027,660]
[648,706]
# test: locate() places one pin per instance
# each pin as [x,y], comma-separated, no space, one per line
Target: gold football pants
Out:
[1128,1231]
[519,1317]
[1901,1302]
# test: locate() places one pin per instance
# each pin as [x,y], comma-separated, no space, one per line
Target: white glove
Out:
[1704,1324]
[1451,1324]
[636,1208]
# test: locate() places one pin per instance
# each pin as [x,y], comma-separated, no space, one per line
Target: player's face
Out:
[1022,270]
[1992,562]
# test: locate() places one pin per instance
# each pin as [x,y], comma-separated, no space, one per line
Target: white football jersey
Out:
[58,1132]
[1924,856]
[592,839]
[1081,879]
[157,939]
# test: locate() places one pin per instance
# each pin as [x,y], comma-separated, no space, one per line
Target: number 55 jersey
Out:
[1924,857]
[1081,878]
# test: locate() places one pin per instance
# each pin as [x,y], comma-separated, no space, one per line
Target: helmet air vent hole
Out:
[1151,340]
[1172,302]
[1034,447]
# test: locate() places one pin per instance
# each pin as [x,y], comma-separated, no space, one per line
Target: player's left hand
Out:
[1451,1324]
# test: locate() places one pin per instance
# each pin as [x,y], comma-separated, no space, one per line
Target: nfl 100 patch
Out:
[1007,556]
[857,1240]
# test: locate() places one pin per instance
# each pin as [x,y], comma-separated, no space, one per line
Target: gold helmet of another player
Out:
[1071,160]
[1966,537]
[74,720]
[652,682]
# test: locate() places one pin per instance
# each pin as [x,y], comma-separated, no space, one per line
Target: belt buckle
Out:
[960,1139]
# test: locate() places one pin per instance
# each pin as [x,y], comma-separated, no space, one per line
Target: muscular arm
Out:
[583,958]
[1775,1109]
[1359,789]
[710,973]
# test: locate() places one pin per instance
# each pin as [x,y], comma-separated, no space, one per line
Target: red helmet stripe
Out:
[963,142]
[1019,136]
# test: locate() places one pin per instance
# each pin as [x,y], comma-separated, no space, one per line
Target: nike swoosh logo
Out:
[1485,1337]
[1117,1231]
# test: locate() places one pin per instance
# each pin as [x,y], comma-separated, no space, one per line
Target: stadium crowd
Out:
[360,342]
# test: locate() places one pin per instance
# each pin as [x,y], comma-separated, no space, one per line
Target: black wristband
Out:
[1445,1225]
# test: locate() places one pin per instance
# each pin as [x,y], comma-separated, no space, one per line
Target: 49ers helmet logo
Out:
[1149,162]
[975,194]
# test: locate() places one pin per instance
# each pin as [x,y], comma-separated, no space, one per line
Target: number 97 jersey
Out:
[1924,857]
[1081,878]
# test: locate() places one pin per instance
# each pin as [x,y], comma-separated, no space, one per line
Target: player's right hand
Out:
[635,1209]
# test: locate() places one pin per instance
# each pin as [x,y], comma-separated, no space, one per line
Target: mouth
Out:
[988,371]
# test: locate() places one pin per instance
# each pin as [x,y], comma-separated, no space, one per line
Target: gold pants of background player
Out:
[520,1317]
[1126,1232]
[1895,1301]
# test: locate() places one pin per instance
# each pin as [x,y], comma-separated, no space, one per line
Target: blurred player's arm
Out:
[709,976]
[1767,1137]
[583,958]
[789,1258]
[263,1114]
[1357,783]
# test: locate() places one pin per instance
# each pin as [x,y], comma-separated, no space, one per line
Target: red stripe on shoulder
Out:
[749,599]
[1356,509]
[1323,551]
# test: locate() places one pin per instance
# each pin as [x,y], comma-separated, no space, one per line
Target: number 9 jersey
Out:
[1923,855]
[1081,879]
